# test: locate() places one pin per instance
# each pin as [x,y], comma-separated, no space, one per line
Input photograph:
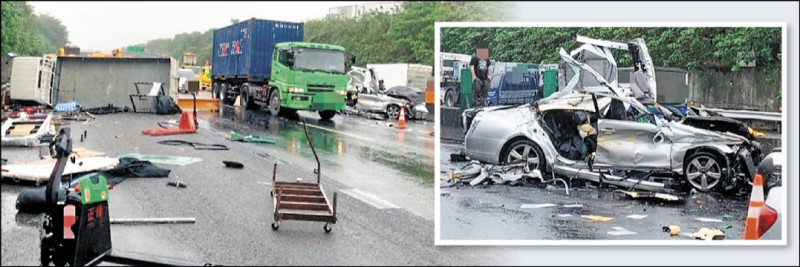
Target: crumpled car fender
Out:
[680,153]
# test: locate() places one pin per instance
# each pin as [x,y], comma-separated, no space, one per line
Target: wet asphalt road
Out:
[384,179]
[493,212]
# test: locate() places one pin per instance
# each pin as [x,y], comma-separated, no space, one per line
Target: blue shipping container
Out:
[244,50]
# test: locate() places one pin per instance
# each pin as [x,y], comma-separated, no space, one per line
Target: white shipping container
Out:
[32,79]
[403,74]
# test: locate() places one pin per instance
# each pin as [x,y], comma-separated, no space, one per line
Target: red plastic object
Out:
[186,126]
[766,219]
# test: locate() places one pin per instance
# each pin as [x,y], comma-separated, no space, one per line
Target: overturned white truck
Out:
[595,130]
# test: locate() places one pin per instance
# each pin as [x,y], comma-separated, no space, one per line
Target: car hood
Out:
[507,117]
[391,99]
[687,134]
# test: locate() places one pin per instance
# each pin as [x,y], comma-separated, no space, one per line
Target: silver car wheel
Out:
[704,173]
[393,112]
[526,153]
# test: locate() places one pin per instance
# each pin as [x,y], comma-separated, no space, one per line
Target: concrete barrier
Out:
[450,124]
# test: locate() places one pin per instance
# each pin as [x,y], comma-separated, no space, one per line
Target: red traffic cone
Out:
[187,122]
[756,202]
[186,125]
[401,121]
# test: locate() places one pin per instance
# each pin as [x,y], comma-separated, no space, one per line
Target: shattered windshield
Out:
[319,59]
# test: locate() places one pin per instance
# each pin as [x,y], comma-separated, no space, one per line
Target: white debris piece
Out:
[636,216]
[537,206]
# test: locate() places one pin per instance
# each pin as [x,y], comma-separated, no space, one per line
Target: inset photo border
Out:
[689,113]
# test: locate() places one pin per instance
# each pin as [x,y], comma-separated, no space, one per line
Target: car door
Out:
[368,100]
[624,142]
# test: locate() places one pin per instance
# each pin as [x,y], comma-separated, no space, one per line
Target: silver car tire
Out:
[525,150]
[704,171]
[393,112]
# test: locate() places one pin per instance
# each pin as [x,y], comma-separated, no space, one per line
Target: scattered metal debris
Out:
[195,145]
[707,219]
[597,218]
[162,159]
[662,196]
[706,233]
[177,184]
[537,206]
[672,229]
[152,220]
[233,164]
[618,231]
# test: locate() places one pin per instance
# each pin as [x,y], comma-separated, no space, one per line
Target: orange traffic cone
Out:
[401,122]
[187,125]
[756,202]
[187,122]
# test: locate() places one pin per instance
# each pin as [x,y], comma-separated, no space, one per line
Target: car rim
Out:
[526,153]
[393,112]
[704,173]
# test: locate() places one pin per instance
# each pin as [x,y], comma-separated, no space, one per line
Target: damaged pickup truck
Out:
[595,130]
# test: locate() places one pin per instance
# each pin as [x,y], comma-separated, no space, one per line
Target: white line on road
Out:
[369,199]
[335,131]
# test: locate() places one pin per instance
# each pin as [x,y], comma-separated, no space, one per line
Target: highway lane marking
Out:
[370,199]
[339,132]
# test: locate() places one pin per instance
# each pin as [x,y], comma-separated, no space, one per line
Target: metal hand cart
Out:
[300,201]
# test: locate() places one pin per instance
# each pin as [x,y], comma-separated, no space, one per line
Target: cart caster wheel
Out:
[327,228]
[275,226]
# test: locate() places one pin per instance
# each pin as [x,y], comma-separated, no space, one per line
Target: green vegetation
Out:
[26,34]
[690,48]
[199,43]
[405,36]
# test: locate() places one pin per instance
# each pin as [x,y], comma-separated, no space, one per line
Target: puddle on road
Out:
[332,146]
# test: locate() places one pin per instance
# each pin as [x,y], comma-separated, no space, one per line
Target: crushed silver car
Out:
[379,102]
[595,130]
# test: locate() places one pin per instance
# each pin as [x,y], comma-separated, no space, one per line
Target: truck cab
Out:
[307,76]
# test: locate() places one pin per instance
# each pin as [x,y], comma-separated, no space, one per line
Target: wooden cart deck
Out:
[299,201]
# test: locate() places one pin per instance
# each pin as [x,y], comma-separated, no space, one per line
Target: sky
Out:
[108,25]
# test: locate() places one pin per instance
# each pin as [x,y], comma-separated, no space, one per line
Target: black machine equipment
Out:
[77,228]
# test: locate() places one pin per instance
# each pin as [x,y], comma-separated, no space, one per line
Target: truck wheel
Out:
[449,98]
[274,102]
[243,100]
[327,114]
[393,112]
[215,90]
[227,97]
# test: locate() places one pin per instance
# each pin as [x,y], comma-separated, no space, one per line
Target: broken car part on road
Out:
[195,145]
